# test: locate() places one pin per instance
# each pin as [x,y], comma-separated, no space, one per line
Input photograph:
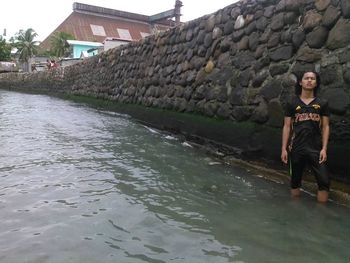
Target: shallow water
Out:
[86,185]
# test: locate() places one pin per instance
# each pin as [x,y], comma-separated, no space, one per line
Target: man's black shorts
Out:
[308,157]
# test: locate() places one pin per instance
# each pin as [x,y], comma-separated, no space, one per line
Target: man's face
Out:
[308,82]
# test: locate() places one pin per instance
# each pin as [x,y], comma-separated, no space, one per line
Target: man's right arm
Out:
[285,138]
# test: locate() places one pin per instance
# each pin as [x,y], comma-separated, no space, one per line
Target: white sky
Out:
[44,16]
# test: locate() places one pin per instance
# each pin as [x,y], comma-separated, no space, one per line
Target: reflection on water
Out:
[82,185]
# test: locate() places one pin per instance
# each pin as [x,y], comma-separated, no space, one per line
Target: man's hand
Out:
[323,156]
[284,156]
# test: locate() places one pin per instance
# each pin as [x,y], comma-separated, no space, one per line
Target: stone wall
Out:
[238,65]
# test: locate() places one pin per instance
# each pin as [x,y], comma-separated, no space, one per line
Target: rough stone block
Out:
[338,100]
[331,16]
[318,37]
[281,53]
[339,35]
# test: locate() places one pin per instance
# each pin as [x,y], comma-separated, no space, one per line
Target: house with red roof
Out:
[88,23]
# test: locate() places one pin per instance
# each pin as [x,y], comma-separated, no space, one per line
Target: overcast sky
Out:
[44,16]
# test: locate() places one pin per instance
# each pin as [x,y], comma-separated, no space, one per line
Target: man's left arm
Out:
[325,138]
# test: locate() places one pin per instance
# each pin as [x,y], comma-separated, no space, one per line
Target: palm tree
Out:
[26,46]
[5,49]
[59,45]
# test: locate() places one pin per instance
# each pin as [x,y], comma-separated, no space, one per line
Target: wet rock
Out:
[253,41]
[224,60]
[331,74]
[317,38]
[228,28]
[237,35]
[217,33]
[235,12]
[243,60]
[241,113]
[260,113]
[259,51]
[339,35]
[250,28]
[276,113]
[269,11]
[221,18]
[298,38]
[191,77]
[281,6]
[345,8]
[277,22]
[294,5]
[238,96]
[274,40]
[244,77]
[261,23]
[225,45]
[209,67]
[200,37]
[290,18]
[260,78]
[208,40]
[199,93]
[180,104]
[210,108]
[200,77]
[286,35]
[224,110]
[271,89]
[346,76]
[344,56]
[189,54]
[278,69]
[311,20]
[218,93]
[281,53]
[330,17]
[210,23]
[243,44]
[261,63]
[189,35]
[338,100]
[239,22]
[202,51]
[308,55]
[321,5]
[329,59]
[265,36]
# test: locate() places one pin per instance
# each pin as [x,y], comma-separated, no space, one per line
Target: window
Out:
[124,34]
[98,30]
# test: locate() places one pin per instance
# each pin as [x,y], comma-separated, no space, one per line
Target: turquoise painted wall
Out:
[77,49]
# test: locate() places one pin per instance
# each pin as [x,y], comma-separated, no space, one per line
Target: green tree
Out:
[5,50]
[26,45]
[59,45]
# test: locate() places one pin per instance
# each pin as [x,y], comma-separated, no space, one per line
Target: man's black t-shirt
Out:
[306,119]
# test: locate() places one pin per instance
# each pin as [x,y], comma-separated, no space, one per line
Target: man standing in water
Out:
[306,129]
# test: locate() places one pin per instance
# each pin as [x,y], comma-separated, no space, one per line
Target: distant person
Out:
[48,64]
[306,129]
[33,67]
[54,64]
